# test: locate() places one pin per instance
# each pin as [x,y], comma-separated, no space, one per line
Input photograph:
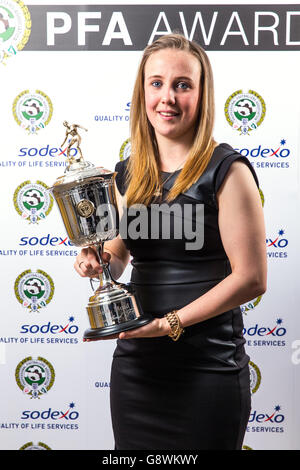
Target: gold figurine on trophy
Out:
[72,130]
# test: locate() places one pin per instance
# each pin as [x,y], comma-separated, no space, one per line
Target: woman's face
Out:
[172,93]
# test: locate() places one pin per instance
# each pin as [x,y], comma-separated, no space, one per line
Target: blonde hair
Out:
[142,169]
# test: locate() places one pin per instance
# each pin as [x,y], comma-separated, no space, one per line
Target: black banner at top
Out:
[132,27]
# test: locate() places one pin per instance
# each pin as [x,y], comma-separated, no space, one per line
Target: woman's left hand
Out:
[158,327]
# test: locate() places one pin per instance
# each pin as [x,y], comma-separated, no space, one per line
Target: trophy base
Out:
[95,333]
[112,309]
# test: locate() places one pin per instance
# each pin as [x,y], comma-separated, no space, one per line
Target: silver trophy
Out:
[85,196]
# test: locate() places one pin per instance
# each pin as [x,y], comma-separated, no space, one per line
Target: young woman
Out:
[193,392]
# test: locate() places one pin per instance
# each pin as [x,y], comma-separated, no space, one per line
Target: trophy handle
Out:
[105,277]
[92,281]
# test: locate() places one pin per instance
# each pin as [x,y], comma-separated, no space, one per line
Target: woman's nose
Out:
[168,95]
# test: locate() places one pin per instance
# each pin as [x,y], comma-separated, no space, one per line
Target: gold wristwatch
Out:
[174,322]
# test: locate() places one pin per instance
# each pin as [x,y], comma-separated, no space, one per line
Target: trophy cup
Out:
[85,196]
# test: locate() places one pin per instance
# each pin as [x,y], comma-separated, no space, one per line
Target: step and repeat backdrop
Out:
[77,62]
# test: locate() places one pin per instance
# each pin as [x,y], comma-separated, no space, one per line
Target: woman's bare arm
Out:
[242,229]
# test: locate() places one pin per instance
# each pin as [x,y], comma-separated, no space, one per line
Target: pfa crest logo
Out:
[34,289]
[245,111]
[262,197]
[32,110]
[255,377]
[125,150]
[35,377]
[15,27]
[32,446]
[32,201]
[248,306]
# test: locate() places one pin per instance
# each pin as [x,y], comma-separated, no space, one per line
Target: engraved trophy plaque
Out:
[85,196]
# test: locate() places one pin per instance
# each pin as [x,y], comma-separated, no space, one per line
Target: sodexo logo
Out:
[32,110]
[262,335]
[278,241]
[35,377]
[46,151]
[50,414]
[67,329]
[274,151]
[267,158]
[277,245]
[15,27]
[263,421]
[45,240]
[32,201]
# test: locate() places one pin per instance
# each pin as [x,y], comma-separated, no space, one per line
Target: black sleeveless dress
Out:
[193,393]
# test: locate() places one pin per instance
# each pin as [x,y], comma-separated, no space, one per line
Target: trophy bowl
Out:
[86,199]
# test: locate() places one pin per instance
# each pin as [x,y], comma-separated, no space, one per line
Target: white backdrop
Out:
[93,88]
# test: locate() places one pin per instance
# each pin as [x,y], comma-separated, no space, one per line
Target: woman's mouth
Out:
[168,114]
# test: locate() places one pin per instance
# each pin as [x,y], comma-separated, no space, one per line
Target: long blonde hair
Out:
[142,169]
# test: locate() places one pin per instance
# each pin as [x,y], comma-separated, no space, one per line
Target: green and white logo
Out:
[262,197]
[125,150]
[15,27]
[32,110]
[35,377]
[245,112]
[33,201]
[247,307]
[32,446]
[34,289]
[255,377]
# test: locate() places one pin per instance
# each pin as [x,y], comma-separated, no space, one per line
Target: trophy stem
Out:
[105,277]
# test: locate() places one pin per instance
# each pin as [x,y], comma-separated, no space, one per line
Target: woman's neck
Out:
[172,155]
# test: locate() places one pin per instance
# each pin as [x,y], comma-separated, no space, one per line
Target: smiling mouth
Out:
[168,114]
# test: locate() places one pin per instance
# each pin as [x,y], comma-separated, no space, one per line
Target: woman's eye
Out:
[156,83]
[182,85]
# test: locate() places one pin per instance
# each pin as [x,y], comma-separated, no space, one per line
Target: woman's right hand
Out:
[87,263]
